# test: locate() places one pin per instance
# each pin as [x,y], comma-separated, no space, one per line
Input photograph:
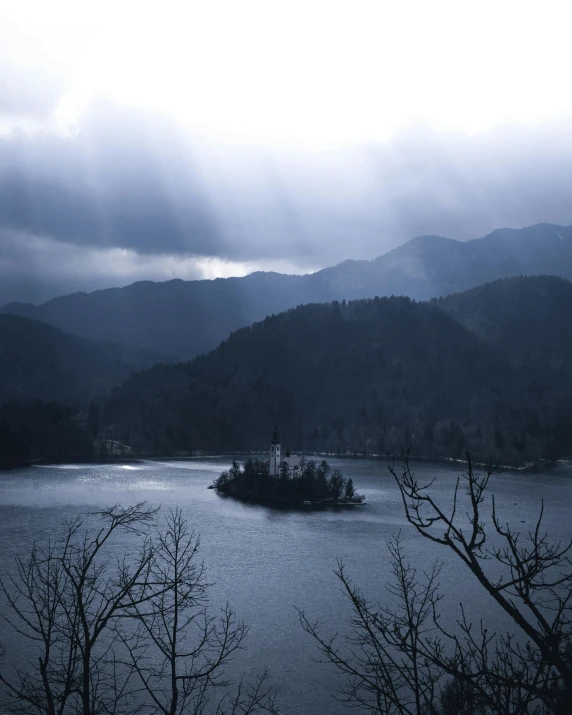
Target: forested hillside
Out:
[39,362]
[365,377]
[488,370]
[527,317]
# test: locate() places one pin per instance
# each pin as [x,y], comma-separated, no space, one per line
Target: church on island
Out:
[287,480]
[277,464]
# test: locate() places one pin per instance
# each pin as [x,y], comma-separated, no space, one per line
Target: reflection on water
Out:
[265,561]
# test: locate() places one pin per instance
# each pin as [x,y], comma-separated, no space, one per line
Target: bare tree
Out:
[63,598]
[32,594]
[384,663]
[98,624]
[98,592]
[407,661]
[178,650]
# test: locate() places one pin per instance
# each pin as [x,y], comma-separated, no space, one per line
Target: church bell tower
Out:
[274,466]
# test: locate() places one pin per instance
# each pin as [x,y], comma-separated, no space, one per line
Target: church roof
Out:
[293,461]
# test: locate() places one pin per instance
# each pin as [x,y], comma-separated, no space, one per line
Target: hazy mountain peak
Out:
[529,234]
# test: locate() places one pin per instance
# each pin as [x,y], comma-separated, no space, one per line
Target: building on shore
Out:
[111,447]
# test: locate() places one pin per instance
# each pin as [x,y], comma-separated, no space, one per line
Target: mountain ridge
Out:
[488,370]
[187,318]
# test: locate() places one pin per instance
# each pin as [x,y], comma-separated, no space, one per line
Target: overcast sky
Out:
[202,139]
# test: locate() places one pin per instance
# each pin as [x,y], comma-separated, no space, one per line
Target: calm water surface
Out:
[266,561]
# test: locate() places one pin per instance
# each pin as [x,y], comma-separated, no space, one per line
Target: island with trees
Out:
[311,484]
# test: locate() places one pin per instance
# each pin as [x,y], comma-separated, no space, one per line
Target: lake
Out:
[266,561]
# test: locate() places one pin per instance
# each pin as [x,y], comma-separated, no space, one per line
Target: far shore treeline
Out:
[488,371]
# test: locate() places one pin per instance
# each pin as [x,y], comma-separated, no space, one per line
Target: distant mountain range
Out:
[489,370]
[40,362]
[187,318]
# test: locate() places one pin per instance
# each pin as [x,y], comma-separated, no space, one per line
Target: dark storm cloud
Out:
[134,181]
[36,268]
[27,93]
[125,180]
[361,201]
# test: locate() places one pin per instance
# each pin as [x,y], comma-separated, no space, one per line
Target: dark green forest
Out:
[487,371]
[526,318]
[368,376]
[40,362]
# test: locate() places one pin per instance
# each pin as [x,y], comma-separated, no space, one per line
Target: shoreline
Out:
[528,468]
[289,504]
[6,466]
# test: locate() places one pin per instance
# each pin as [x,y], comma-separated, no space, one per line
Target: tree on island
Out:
[337,483]
[234,471]
[284,471]
[323,473]
[405,660]
[350,491]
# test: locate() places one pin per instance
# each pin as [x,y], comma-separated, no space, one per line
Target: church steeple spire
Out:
[274,464]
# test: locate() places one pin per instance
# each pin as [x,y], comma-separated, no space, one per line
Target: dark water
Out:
[266,561]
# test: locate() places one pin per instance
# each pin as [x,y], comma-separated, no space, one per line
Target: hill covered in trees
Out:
[186,318]
[528,318]
[487,370]
[39,362]
[366,377]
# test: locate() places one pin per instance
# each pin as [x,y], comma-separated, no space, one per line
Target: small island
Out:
[288,481]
